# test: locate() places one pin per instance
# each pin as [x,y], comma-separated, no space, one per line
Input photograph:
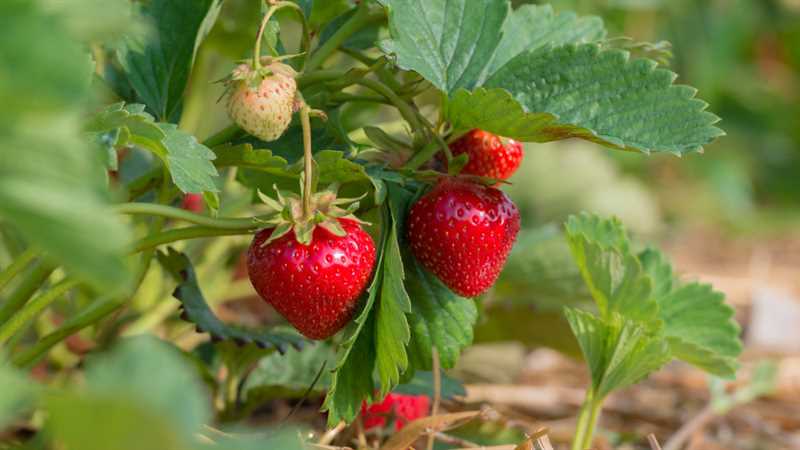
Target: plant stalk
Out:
[360,19]
[181,234]
[259,37]
[170,212]
[587,421]
[308,161]
[27,287]
[18,265]
[422,156]
[405,109]
[33,308]
[101,308]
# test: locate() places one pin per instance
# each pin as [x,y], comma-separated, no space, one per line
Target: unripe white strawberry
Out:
[262,102]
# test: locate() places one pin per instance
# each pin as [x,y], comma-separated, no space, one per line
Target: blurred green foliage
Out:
[744,58]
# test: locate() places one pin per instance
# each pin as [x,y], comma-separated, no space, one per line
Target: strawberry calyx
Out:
[287,213]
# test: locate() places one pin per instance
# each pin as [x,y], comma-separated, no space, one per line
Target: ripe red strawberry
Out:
[489,155]
[402,408]
[192,202]
[463,232]
[262,102]
[316,286]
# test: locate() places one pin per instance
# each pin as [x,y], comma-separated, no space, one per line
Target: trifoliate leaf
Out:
[531,27]
[619,352]
[449,42]
[614,276]
[605,97]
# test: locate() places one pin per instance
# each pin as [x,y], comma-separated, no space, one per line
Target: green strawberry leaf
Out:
[496,111]
[196,310]
[290,375]
[439,318]
[351,381]
[656,265]
[244,156]
[52,178]
[619,351]
[614,276]
[531,27]
[129,120]
[158,64]
[422,384]
[701,329]
[189,161]
[604,97]
[449,42]
[335,167]
[263,170]
[392,333]
[697,323]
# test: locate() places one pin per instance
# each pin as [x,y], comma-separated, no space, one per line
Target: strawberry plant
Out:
[362,163]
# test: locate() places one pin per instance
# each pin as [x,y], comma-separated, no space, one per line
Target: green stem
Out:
[97,311]
[308,161]
[28,286]
[33,308]
[101,308]
[319,76]
[181,234]
[405,109]
[587,421]
[222,136]
[259,37]
[362,17]
[343,97]
[422,156]
[17,266]
[170,212]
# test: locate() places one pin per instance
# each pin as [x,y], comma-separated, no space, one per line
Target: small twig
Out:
[543,443]
[331,434]
[362,438]
[691,427]
[437,391]
[327,447]
[654,445]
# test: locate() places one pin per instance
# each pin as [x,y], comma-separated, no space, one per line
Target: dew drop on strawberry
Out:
[463,232]
[315,287]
